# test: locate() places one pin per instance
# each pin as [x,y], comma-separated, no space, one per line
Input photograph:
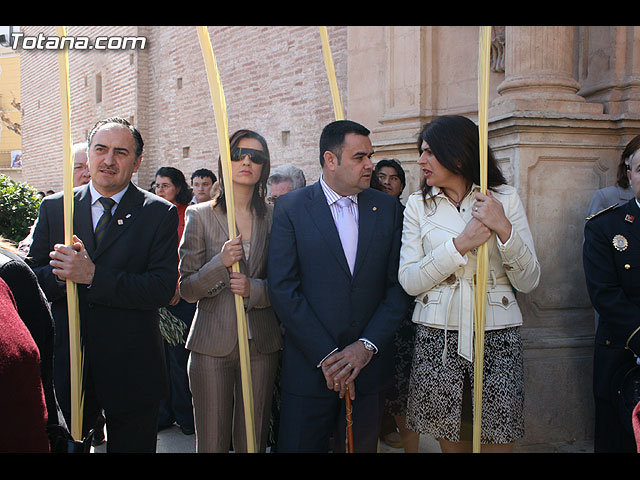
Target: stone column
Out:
[539,72]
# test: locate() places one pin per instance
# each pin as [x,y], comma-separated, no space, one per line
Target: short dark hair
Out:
[137,138]
[455,142]
[393,163]
[202,173]
[176,176]
[332,137]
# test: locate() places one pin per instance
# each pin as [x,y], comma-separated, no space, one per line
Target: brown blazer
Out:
[205,279]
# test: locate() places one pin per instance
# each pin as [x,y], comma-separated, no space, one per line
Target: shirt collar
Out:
[332,195]
[437,191]
[95,195]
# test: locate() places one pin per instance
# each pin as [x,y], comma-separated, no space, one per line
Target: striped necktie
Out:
[103,223]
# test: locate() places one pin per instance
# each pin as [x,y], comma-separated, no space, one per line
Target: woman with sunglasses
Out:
[206,258]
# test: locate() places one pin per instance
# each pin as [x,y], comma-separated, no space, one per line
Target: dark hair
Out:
[185,194]
[137,138]
[455,143]
[388,162]
[628,151]
[260,189]
[202,173]
[332,137]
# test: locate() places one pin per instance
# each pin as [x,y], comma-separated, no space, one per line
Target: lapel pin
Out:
[375,208]
[628,218]
[620,243]
[127,215]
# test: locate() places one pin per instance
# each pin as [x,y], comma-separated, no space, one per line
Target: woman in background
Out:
[171,185]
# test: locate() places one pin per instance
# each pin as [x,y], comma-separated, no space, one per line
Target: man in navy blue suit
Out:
[333,264]
[611,257]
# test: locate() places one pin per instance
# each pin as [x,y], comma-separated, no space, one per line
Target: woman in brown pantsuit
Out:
[206,257]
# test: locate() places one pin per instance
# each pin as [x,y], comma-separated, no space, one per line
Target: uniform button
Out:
[627,266]
[607,342]
[505,301]
[426,298]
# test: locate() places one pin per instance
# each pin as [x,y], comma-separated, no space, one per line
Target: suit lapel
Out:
[82,220]
[367,217]
[320,214]
[125,215]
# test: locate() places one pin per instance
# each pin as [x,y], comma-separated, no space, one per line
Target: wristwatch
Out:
[368,345]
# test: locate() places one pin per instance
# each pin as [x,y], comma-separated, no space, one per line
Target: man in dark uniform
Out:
[612,269]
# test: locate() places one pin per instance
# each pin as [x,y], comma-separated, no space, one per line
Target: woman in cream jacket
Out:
[444,224]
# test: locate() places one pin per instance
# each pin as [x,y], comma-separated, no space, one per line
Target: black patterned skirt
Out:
[440,399]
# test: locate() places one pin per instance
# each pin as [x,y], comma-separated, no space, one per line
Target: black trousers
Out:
[133,431]
[307,423]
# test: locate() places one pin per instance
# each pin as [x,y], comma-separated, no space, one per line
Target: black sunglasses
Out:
[256,156]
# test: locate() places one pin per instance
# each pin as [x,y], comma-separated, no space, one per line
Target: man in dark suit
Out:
[333,283]
[612,270]
[125,263]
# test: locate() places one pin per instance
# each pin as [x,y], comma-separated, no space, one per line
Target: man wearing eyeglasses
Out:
[284,179]
[333,264]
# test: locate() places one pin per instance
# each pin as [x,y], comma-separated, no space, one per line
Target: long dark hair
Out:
[454,141]
[185,194]
[258,201]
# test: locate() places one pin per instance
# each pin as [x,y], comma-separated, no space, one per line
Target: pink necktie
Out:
[348,230]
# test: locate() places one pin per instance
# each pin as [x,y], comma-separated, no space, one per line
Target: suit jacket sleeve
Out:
[38,258]
[518,254]
[617,312]
[152,288]
[300,321]
[200,277]
[392,308]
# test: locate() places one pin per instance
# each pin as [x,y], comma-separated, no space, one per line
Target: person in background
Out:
[23,412]
[616,194]
[621,192]
[170,184]
[389,177]
[444,224]
[202,183]
[33,308]
[284,179]
[81,176]
[207,255]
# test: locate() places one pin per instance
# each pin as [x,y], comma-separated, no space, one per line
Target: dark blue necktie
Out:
[103,223]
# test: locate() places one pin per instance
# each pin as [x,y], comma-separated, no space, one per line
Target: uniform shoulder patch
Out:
[610,207]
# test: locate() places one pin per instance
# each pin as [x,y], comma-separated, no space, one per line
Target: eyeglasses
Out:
[162,186]
[256,156]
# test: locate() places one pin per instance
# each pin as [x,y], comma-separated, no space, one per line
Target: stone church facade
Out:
[564,102]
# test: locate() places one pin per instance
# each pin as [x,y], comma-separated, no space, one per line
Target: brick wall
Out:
[274,80]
